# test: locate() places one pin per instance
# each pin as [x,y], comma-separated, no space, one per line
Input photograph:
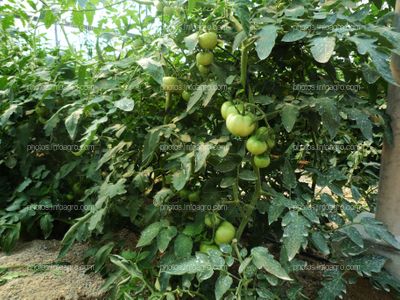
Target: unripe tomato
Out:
[203,69]
[228,108]
[255,146]
[186,95]
[70,197]
[76,188]
[208,40]
[262,133]
[184,194]
[168,10]
[240,125]
[225,233]
[212,219]
[270,143]
[224,108]
[41,111]
[262,161]
[204,247]
[170,84]
[159,6]
[204,58]
[194,196]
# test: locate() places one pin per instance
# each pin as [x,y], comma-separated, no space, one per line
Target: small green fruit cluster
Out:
[204,59]
[260,144]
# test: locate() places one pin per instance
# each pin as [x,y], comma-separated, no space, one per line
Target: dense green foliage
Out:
[94,142]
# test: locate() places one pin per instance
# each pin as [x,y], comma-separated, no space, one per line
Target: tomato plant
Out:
[147,126]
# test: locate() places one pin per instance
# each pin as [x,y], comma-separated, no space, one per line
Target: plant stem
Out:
[167,103]
[250,209]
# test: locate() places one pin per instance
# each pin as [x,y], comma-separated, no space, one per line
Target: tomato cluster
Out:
[241,123]
[207,41]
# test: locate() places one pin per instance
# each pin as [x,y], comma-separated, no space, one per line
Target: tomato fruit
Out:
[225,233]
[270,143]
[159,6]
[240,125]
[168,10]
[41,111]
[228,108]
[224,108]
[203,69]
[194,196]
[262,161]
[255,146]
[170,84]
[204,247]
[70,197]
[204,58]
[184,194]
[208,40]
[76,188]
[186,95]
[211,220]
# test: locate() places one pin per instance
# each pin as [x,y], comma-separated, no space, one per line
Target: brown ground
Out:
[29,275]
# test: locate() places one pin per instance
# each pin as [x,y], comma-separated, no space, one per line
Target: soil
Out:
[31,273]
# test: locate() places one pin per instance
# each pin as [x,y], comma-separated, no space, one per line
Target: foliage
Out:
[141,151]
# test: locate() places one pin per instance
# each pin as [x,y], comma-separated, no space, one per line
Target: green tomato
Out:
[224,108]
[203,69]
[262,133]
[212,219]
[204,247]
[194,196]
[169,11]
[76,188]
[228,108]
[41,111]
[240,125]
[270,143]
[186,95]
[170,84]
[159,6]
[208,40]
[204,58]
[225,233]
[184,194]
[255,146]
[70,197]
[262,161]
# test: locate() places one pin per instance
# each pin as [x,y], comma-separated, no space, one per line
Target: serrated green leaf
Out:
[149,234]
[262,259]
[322,48]
[222,285]
[266,41]
[289,116]
[295,232]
